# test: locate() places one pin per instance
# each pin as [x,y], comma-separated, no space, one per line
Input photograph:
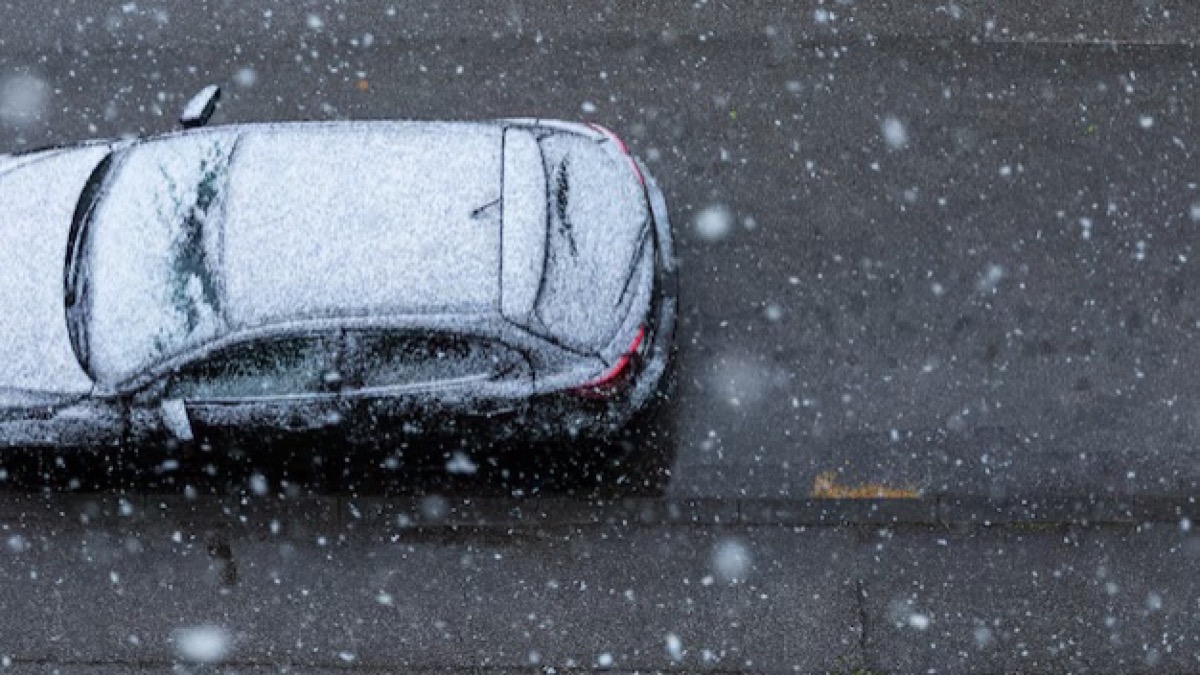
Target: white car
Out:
[381,279]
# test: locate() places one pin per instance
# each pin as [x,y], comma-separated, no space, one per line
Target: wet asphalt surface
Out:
[939,253]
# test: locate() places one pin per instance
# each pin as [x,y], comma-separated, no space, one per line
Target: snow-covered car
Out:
[370,279]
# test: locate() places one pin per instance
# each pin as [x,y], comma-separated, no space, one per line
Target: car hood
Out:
[37,200]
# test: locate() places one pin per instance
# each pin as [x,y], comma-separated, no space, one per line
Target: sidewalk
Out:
[387,592]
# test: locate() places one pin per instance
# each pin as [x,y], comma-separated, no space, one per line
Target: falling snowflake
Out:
[246,77]
[258,484]
[23,99]
[894,133]
[731,561]
[202,644]
[459,463]
[674,647]
[714,223]
[918,621]
[991,278]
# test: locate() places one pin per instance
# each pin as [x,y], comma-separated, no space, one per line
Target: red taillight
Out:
[637,170]
[610,383]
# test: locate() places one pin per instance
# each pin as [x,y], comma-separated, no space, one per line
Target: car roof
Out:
[358,219]
[206,232]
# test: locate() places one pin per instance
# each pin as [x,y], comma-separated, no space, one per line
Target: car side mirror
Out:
[175,419]
[201,107]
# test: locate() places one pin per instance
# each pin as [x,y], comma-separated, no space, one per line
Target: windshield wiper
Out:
[76,266]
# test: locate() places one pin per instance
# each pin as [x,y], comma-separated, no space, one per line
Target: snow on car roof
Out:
[347,219]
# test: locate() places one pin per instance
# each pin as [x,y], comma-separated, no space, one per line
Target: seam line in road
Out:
[717,44]
[533,514]
[860,605]
[167,664]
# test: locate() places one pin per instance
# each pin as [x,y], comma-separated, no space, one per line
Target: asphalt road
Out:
[939,252]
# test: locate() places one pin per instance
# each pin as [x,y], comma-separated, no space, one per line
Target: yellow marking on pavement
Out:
[825,487]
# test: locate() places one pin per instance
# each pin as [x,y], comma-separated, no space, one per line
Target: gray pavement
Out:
[940,252]
[338,592]
[1000,305]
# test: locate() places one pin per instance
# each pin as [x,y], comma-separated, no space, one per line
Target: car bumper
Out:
[649,380]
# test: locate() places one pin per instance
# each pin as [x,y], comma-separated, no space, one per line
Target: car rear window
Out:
[597,225]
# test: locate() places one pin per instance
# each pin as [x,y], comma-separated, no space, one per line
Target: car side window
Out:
[389,359]
[259,369]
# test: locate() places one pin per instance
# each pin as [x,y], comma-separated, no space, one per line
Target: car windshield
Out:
[142,282]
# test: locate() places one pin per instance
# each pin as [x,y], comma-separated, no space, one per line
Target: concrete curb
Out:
[440,513]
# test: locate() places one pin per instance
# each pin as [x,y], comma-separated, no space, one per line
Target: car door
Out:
[39,420]
[258,392]
[413,385]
